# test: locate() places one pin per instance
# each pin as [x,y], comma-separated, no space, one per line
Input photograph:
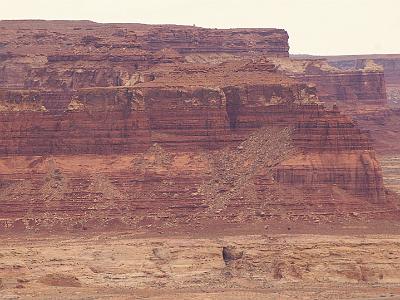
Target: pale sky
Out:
[314,26]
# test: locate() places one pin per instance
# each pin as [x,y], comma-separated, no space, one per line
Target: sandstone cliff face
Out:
[102,126]
[269,41]
[335,151]
[331,150]
[71,55]
[365,85]
[124,120]
[358,86]
[358,172]
[389,63]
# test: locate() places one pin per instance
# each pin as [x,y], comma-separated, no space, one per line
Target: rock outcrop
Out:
[125,125]
[389,62]
[76,54]
[365,84]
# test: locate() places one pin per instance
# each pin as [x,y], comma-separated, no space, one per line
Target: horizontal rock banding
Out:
[125,125]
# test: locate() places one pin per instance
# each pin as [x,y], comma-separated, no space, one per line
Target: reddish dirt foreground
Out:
[125,265]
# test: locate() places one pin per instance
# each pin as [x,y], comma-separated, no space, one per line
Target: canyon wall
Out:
[71,55]
[389,62]
[364,85]
[155,157]
[133,125]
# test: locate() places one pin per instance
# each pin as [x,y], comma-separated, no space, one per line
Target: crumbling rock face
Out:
[99,121]
[117,126]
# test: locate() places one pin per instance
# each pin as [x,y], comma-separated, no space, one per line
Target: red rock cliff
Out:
[102,124]
[389,62]
[365,85]
[71,55]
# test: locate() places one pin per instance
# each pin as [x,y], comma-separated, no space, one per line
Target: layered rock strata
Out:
[71,55]
[365,85]
[122,132]
[389,62]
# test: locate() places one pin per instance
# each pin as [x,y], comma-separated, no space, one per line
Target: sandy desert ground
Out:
[262,266]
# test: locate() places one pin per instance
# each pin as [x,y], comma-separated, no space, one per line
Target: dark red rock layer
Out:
[125,120]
